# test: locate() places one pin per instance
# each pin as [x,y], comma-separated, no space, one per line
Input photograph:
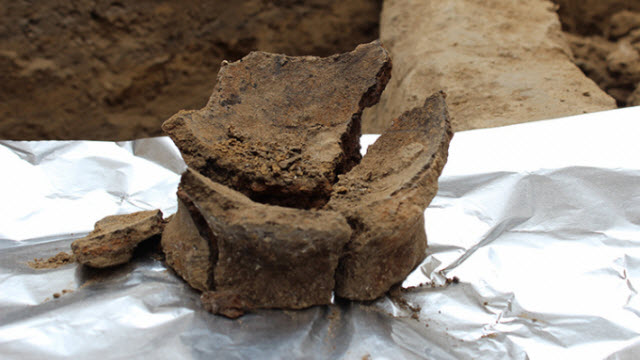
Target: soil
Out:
[60,259]
[605,40]
[590,17]
[111,70]
[108,70]
[500,62]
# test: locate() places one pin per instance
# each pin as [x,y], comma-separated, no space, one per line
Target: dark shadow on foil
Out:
[147,251]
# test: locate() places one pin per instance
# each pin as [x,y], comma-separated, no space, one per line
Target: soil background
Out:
[115,70]
[605,40]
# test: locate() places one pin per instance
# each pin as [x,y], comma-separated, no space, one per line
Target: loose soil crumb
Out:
[60,259]
[59,294]
[432,285]
[453,280]
[491,82]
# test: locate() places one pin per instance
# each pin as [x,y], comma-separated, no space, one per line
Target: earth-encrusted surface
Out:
[384,198]
[267,256]
[280,129]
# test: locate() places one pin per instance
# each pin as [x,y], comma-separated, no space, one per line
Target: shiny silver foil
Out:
[534,254]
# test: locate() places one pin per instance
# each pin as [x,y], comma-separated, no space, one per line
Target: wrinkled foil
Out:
[534,253]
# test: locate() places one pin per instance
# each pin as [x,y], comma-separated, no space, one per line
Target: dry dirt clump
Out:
[349,226]
[115,70]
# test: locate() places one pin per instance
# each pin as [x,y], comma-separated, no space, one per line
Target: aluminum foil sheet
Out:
[536,226]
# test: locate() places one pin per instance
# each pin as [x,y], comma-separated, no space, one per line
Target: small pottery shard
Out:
[114,238]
